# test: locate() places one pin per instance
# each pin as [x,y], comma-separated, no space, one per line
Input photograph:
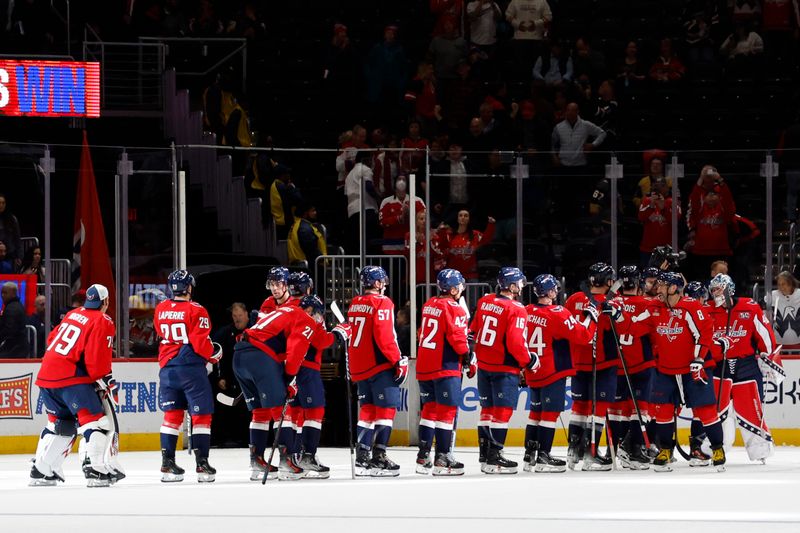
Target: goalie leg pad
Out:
[750,418]
[52,450]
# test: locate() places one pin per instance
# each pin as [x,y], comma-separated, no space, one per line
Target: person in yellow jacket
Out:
[306,241]
[283,198]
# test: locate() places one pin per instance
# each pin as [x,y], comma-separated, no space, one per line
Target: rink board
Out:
[22,415]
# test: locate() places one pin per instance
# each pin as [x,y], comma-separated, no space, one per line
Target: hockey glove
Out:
[107,386]
[534,365]
[470,364]
[401,370]
[471,337]
[613,310]
[724,342]
[291,385]
[592,313]
[217,354]
[344,330]
[698,372]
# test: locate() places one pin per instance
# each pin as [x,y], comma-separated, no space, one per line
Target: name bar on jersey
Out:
[49,88]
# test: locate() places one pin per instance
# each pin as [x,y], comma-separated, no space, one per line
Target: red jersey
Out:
[184,328]
[637,350]
[656,224]
[462,248]
[711,231]
[442,339]
[78,351]
[681,333]
[283,334]
[320,340]
[373,344]
[270,304]
[749,329]
[552,329]
[393,217]
[437,255]
[606,348]
[500,329]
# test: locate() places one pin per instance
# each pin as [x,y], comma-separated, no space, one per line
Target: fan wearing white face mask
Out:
[393,217]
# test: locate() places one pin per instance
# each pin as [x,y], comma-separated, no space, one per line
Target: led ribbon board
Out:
[49,88]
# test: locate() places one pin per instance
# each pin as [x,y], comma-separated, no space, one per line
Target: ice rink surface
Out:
[748,497]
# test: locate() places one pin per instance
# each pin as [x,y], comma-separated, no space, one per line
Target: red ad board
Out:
[49,88]
[26,289]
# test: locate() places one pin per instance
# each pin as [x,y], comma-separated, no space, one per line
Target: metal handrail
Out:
[780,263]
[240,49]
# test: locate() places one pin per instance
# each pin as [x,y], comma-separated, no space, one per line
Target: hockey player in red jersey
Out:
[278,286]
[499,330]
[378,369]
[75,367]
[699,291]
[743,334]
[266,362]
[638,354]
[441,352]
[186,347]
[682,338]
[601,278]
[552,329]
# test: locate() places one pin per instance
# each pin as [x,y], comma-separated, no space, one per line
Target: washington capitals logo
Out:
[671,329]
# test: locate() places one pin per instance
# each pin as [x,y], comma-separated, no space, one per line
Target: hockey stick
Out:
[348,386]
[610,443]
[230,401]
[462,302]
[639,416]
[275,440]
[729,304]
[681,451]
[111,453]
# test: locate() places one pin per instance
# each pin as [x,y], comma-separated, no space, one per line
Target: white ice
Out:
[748,497]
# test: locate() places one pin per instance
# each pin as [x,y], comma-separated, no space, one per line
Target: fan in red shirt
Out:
[411,159]
[552,329]
[393,217]
[655,214]
[76,367]
[435,248]
[378,369]
[709,232]
[442,350]
[462,245]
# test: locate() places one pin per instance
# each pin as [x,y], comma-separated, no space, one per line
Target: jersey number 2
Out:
[427,340]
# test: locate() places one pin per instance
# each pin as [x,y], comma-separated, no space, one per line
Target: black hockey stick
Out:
[230,401]
[275,440]
[681,451]
[639,416]
[729,304]
[348,386]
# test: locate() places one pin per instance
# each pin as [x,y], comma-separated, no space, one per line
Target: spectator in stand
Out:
[655,214]
[531,21]
[414,146]
[435,248]
[789,153]
[699,18]
[32,263]
[745,232]
[606,111]
[532,129]
[560,106]
[743,50]
[10,233]
[631,72]
[446,51]
[6,265]
[37,321]
[306,239]
[284,196]
[667,68]
[205,23]
[13,336]
[589,62]
[342,77]
[77,300]
[483,16]
[402,326]
[462,98]
[718,267]
[495,125]
[362,173]
[248,23]
[386,167]
[475,140]
[785,304]
[554,69]
[422,100]
[447,10]
[454,192]
[653,161]
[386,72]
[462,245]
[709,233]
[393,217]
[709,180]
[573,138]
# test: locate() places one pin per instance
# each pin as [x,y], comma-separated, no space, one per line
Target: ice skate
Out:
[205,472]
[447,466]
[718,457]
[362,463]
[288,467]
[663,460]
[257,467]
[40,480]
[171,472]
[424,464]
[312,468]
[595,463]
[496,463]
[546,463]
[632,458]
[381,466]
[96,478]
[529,458]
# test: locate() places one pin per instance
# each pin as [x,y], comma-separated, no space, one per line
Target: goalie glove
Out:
[401,370]
[108,387]
[216,355]
[697,371]
[343,330]
[470,364]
